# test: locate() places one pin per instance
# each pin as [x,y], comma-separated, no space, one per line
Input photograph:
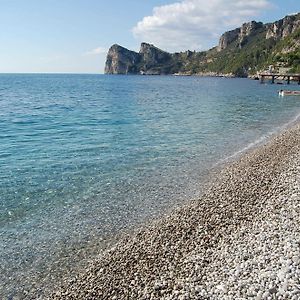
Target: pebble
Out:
[240,240]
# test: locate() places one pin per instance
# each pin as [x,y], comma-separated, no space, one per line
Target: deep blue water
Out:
[85,156]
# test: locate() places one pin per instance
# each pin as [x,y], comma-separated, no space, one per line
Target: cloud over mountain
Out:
[195,24]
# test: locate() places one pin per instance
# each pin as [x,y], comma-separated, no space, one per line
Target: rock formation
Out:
[121,60]
[284,27]
[245,49]
[153,55]
[227,38]
[239,35]
[247,30]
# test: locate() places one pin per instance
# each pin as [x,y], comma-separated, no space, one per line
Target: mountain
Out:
[150,59]
[241,52]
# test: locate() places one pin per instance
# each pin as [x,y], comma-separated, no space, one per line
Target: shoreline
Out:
[173,257]
[263,140]
[55,256]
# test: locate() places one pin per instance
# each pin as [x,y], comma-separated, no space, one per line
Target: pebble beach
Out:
[240,240]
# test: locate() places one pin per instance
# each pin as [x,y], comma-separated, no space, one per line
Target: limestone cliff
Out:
[284,27]
[148,61]
[239,35]
[151,58]
[242,51]
[227,38]
[247,30]
[121,60]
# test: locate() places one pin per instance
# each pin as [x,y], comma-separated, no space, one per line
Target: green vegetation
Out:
[245,51]
[255,54]
[247,56]
[246,59]
[287,52]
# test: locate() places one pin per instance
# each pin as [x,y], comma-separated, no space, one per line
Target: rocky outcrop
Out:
[152,58]
[151,55]
[227,38]
[248,29]
[121,61]
[277,30]
[242,51]
[284,27]
[239,35]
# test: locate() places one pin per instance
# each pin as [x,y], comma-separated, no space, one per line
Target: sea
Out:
[87,158]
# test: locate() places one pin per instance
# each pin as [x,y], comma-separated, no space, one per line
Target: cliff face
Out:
[152,55]
[239,35]
[227,38]
[121,60]
[283,28]
[277,30]
[241,51]
[247,30]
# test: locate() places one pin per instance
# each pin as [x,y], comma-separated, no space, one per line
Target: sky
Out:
[73,36]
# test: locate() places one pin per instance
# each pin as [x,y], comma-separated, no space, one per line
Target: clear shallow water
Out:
[85,156]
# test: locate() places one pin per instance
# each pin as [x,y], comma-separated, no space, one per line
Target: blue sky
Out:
[72,36]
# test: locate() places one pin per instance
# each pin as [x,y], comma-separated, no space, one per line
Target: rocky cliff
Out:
[149,60]
[284,27]
[239,35]
[227,38]
[240,52]
[121,60]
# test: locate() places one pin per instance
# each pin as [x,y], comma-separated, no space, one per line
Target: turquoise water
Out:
[83,157]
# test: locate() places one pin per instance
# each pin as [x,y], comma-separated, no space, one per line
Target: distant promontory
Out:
[241,52]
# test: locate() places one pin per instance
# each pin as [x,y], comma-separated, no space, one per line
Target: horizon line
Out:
[62,73]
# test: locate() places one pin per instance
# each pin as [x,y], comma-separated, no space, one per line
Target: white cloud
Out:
[195,24]
[96,51]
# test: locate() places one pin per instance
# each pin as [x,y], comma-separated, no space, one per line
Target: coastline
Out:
[214,247]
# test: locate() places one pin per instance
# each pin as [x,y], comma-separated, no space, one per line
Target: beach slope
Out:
[240,240]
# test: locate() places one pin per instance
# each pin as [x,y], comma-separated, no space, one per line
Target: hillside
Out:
[241,52]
